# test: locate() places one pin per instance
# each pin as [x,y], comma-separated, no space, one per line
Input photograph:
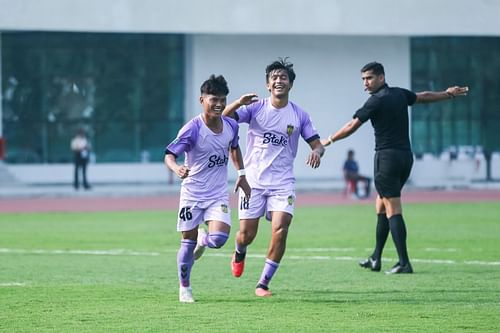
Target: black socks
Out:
[398,232]
[239,257]
[382,232]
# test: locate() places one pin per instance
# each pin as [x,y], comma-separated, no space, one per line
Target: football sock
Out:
[382,232]
[398,232]
[270,268]
[259,285]
[185,260]
[241,251]
[215,240]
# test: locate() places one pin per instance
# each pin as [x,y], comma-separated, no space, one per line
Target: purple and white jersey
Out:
[272,142]
[206,156]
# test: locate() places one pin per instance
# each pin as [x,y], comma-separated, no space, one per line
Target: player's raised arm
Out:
[436,96]
[243,100]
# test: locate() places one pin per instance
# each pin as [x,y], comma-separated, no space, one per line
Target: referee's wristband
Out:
[241,172]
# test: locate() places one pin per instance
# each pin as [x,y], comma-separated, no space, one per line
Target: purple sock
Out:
[215,240]
[185,261]
[270,268]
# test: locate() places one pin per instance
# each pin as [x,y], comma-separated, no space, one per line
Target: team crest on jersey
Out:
[290,200]
[224,209]
[289,129]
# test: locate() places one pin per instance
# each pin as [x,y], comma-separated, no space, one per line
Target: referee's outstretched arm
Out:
[436,96]
[346,130]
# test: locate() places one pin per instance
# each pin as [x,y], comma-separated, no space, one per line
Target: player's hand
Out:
[457,91]
[182,172]
[314,159]
[248,99]
[241,182]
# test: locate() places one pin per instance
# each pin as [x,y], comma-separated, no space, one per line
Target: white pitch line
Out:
[12,284]
[352,249]
[324,249]
[348,258]
[434,261]
[476,262]
[309,257]
[123,252]
[114,252]
[433,249]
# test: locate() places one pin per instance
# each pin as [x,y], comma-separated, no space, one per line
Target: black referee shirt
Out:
[387,110]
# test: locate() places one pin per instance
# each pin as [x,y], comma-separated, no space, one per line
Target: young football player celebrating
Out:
[275,126]
[206,141]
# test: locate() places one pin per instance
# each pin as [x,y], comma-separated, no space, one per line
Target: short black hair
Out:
[375,67]
[281,64]
[215,85]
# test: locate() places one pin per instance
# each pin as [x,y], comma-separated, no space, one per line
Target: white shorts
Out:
[192,213]
[264,201]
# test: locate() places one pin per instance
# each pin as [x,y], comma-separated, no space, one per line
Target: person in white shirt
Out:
[80,146]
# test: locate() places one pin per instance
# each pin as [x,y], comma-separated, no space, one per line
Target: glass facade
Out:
[125,90]
[439,62]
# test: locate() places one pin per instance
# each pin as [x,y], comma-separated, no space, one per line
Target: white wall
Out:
[328,83]
[96,173]
[340,17]
[426,173]
[431,171]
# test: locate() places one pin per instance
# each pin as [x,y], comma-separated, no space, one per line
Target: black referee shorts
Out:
[392,168]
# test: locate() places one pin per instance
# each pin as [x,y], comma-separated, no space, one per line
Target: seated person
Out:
[352,176]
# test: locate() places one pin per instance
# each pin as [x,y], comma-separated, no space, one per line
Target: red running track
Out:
[164,202]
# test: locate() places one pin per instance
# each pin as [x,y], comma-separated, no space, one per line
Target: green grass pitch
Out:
[116,272]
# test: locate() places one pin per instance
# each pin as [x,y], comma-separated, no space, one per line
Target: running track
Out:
[164,202]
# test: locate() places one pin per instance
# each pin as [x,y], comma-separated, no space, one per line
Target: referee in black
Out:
[387,109]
